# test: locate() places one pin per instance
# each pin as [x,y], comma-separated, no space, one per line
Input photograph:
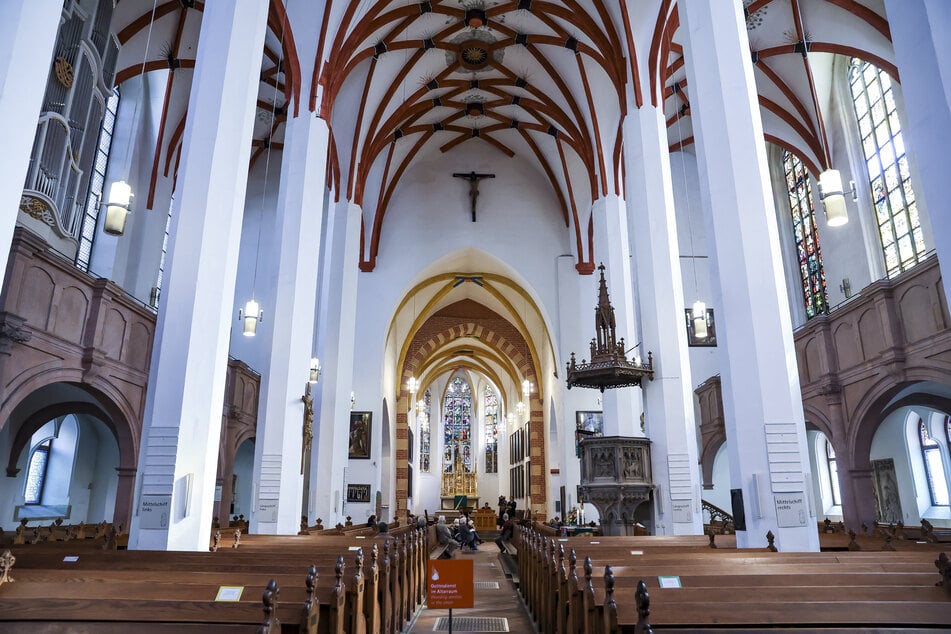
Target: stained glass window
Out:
[833,474]
[934,467]
[457,428]
[807,238]
[424,432]
[491,431]
[896,212]
[36,473]
[96,182]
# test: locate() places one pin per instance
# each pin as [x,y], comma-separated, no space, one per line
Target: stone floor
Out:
[501,603]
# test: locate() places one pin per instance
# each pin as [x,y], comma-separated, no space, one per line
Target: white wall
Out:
[244,473]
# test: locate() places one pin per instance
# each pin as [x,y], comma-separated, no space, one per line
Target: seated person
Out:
[443,536]
[474,539]
[421,522]
[371,521]
[508,531]
[465,535]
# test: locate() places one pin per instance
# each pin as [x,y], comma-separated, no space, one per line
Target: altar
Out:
[459,486]
[450,502]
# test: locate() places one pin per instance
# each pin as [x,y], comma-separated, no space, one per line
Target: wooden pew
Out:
[723,587]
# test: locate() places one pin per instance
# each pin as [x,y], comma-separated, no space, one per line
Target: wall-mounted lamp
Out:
[251,315]
[117,208]
[846,287]
[314,370]
[832,195]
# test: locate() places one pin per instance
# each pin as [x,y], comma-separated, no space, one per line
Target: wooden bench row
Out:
[375,588]
[722,588]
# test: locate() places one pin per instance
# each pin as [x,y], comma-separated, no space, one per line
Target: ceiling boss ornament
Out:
[609,367]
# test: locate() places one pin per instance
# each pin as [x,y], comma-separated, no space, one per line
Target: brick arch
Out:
[503,337]
[514,347]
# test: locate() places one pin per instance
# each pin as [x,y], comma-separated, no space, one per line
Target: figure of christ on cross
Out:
[473,179]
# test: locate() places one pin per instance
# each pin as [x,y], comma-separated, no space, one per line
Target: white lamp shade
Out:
[314,369]
[699,316]
[252,314]
[120,194]
[833,198]
[115,220]
[117,208]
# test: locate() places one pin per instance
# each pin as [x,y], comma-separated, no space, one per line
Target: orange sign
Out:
[450,583]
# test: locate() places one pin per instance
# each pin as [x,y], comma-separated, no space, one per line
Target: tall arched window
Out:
[833,474]
[934,467]
[97,181]
[807,238]
[424,432]
[491,431]
[457,427]
[36,473]
[896,212]
[947,431]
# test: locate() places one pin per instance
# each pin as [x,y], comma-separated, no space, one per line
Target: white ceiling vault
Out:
[544,81]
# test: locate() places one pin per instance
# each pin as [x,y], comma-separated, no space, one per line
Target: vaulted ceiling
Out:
[544,81]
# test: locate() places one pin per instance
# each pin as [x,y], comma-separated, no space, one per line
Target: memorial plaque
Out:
[154,511]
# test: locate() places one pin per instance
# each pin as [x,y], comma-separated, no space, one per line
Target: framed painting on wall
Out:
[360,434]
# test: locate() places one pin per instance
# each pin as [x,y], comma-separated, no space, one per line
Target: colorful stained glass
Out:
[457,426]
[491,431]
[884,147]
[424,432]
[806,236]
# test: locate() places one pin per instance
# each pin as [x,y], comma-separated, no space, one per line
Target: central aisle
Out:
[490,602]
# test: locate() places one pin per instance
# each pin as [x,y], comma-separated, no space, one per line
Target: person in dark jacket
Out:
[508,531]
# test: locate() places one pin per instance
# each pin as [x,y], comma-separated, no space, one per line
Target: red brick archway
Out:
[500,335]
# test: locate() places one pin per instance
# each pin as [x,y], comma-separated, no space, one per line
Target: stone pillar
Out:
[623,406]
[27,37]
[124,493]
[671,424]
[336,336]
[858,493]
[277,450]
[761,395]
[186,393]
[919,30]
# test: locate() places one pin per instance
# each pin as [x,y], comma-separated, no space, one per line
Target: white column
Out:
[919,30]
[623,406]
[671,425]
[27,37]
[277,467]
[289,337]
[179,452]
[761,395]
[336,336]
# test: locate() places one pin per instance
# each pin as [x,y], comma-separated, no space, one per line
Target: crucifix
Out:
[473,179]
